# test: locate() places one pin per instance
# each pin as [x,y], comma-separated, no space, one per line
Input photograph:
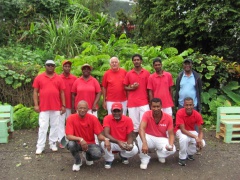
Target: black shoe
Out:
[182,162]
[108,165]
[123,159]
[190,157]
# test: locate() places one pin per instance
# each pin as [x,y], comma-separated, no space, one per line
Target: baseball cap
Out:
[86,65]
[66,62]
[187,60]
[117,106]
[49,62]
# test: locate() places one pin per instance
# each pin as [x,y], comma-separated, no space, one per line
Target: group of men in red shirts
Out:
[142,131]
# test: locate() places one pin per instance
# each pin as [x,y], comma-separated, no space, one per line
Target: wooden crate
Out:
[229,131]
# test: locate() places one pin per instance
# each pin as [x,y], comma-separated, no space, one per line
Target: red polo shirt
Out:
[118,129]
[160,87]
[189,121]
[113,83]
[138,97]
[86,90]
[83,127]
[69,80]
[160,129]
[49,91]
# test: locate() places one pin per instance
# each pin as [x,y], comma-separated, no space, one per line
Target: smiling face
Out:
[157,66]
[114,63]
[117,114]
[189,106]
[50,68]
[82,108]
[187,66]
[86,71]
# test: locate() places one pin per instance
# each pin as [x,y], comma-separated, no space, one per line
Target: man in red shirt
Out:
[154,127]
[113,87]
[118,129]
[68,80]
[160,86]
[189,139]
[136,84]
[49,101]
[80,130]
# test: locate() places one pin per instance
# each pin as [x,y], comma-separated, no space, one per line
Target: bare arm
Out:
[198,138]
[62,95]
[107,144]
[112,139]
[94,108]
[142,135]
[150,94]
[73,110]
[35,99]
[104,92]
[83,143]
[131,87]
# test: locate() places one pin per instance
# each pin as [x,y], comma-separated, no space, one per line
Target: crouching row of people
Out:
[156,132]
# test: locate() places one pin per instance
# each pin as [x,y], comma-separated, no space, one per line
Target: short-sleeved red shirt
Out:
[86,90]
[189,121]
[118,129]
[160,87]
[138,97]
[49,91]
[83,127]
[113,83]
[160,129]
[69,80]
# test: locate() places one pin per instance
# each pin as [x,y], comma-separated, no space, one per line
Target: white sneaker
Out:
[89,163]
[39,151]
[162,160]
[76,167]
[53,147]
[143,166]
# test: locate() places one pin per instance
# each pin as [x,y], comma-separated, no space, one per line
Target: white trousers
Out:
[157,143]
[167,110]
[109,106]
[136,113]
[44,119]
[109,156]
[187,144]
[61,126]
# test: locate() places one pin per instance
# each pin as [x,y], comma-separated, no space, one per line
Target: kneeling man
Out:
[154,127]
[189,140]
[80,130]
[118,128]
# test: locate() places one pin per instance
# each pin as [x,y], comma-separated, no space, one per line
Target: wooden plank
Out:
[229,109]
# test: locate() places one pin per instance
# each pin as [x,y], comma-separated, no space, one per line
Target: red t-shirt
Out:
[160,87]
[83,127]
[189,121]
[68,84]
[49,91]
[113,83]
[86,90]
[138,97]
[160,129]
[118,129]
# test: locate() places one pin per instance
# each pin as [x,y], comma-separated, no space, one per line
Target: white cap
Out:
[49,62]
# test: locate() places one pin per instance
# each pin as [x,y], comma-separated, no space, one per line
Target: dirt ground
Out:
[18,161]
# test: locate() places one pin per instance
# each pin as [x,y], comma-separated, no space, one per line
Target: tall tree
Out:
[210,26]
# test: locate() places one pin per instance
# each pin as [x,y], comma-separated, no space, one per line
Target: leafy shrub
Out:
[24,117]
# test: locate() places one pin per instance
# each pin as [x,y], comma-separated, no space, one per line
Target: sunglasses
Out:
[50,65]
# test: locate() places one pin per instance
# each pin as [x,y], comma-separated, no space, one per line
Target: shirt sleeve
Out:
[106,122]
[170,123]
[97,126]
[199,120]
[130,126]
[69,126]
[126,79]
[74,86]
[170,80]
[97,86]
[36,83]
[149,84]
[104,80]
[179,119]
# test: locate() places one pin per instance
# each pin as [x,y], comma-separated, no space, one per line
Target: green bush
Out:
[24,117]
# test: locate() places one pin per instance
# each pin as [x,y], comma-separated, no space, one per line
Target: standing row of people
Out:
[132,89]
